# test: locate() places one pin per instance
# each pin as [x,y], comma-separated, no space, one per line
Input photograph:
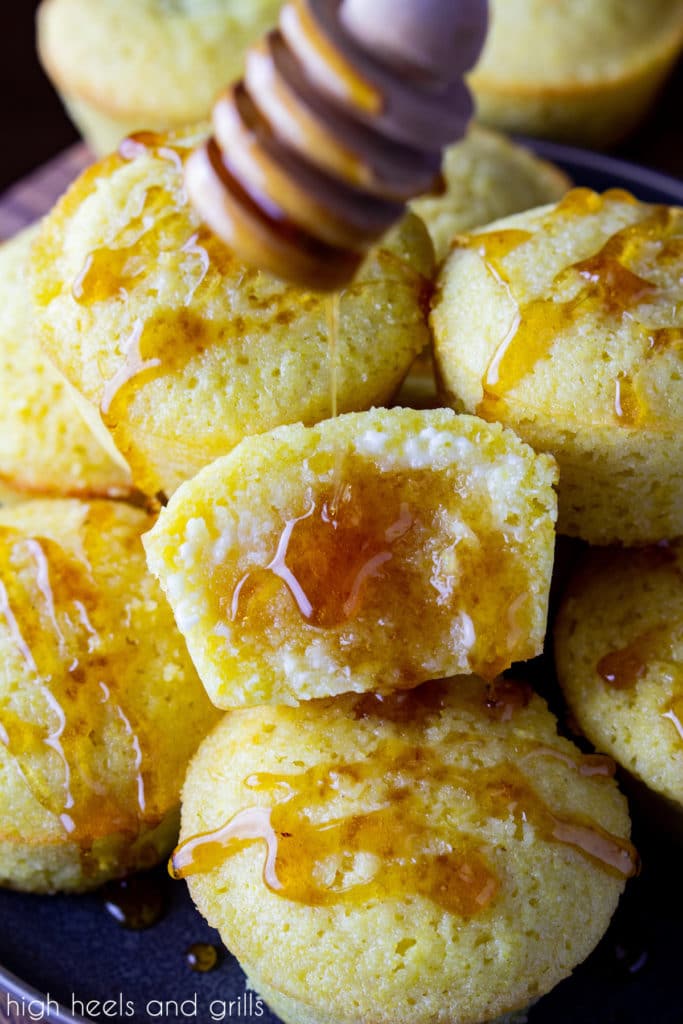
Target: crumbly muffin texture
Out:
[100,707]
[368,802]
[372,552]
[565,324]
[619,655]
[127,65]
[45,445]
[178,348]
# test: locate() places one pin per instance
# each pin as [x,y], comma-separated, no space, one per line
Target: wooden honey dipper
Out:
[341,118]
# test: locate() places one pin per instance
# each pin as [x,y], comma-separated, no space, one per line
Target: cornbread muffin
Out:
[179,348]
[124,65]
[486,176]
[619,653]
[371,552]
[45,445]
[579,70]
[566,324]
[434,857]
[100,707]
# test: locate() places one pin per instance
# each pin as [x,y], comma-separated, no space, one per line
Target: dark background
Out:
[36,128]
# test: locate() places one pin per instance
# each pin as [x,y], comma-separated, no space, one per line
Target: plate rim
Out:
[604,163]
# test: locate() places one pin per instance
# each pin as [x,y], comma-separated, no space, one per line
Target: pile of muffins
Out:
[307,621]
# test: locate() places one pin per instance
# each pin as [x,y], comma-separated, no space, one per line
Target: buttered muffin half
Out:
[566,324]
[440,856]
[179,349]
[125,65]
[580,70]
[45,445]
[619,654]
[100,707]
[372,552]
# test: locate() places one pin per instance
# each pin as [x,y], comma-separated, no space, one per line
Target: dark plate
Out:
[70,948]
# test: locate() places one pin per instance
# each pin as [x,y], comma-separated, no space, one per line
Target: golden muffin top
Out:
[45,445]
[533,43]
[180,349]
[100,707]
[441,848]
[570,313]
[619,653]
[162,61]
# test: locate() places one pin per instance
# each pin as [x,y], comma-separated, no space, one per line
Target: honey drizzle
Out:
[622,668]
[60,648]
[332,306]
[149,238]
[505,697]
[608,284]
[202,957]
[132,367]
[343,570]
[627,405]
[137,902]
[326,558]
[586,765]
[391,849]
[674,714]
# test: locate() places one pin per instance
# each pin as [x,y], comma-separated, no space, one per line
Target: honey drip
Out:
[346,556]
[607,286]
[327,558]
[332,302]
[413,707]
[202,957]
[627,405]
[158,235]
[674,713]
[622,668]
[317,855]
[138,902]
[665,339]
[505,697]
[586,765]
[50,608]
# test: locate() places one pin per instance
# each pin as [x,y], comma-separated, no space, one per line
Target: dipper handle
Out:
[341,117]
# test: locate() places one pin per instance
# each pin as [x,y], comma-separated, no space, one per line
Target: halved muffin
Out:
[372,552]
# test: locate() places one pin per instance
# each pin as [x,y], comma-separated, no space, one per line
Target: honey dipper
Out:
[341,118]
